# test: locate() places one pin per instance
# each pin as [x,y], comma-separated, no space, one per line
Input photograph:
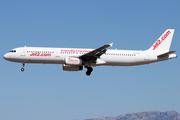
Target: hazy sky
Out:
[44,92]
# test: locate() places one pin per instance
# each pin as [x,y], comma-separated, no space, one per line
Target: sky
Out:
[44,92]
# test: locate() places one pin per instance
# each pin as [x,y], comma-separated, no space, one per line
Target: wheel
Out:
[88,73]
[89,70]
[22,69]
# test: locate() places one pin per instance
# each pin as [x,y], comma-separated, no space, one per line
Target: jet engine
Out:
[72,67]
[72,61]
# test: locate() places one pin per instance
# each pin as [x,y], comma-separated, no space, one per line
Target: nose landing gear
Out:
[89,70]
[22,69]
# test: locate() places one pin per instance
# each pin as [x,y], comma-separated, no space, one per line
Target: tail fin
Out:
[164,42]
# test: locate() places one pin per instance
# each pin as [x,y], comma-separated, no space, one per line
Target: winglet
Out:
[111,44]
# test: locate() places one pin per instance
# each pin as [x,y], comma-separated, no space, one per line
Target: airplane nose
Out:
[6,56]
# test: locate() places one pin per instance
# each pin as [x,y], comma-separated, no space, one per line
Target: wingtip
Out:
[111,44]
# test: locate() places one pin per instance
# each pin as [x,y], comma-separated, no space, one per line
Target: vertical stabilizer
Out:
[164,42]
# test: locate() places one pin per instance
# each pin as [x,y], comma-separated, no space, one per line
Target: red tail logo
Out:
[161,40]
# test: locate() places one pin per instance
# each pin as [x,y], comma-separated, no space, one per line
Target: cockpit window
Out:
[12,51]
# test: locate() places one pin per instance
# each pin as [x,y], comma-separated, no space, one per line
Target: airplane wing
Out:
[93,55]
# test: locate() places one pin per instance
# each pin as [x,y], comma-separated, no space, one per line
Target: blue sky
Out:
[44,92]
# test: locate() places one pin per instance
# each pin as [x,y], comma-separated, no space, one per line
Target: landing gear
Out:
[89,70]
[22,69]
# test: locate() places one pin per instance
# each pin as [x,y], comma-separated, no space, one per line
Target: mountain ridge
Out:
[152,115]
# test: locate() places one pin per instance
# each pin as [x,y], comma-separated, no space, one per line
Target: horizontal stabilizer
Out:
[166,54]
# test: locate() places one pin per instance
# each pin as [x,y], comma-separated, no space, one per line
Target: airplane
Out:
[74,59]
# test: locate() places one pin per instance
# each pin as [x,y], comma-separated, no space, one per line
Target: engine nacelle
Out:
[72,61]
[72,67]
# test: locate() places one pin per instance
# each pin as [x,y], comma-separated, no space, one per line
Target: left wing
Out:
[93,55]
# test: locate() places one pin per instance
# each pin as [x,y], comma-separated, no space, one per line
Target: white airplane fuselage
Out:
[57,56]
[73,59]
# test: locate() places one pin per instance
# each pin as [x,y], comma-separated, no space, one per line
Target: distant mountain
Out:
[155,115]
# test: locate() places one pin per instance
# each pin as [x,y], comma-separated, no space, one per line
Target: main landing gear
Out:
[22,69]
[89,70]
